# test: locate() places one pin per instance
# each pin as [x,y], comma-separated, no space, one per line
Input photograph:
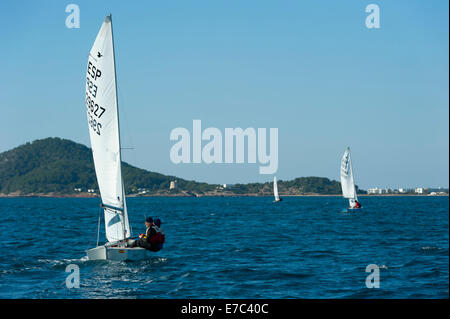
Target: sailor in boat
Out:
[153,239]
[357,204]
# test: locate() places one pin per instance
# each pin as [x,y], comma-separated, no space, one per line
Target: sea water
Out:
[232,247]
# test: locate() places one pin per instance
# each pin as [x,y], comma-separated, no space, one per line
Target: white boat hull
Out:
[117,253]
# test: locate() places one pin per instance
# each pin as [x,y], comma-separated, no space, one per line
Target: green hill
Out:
[55,165]
[298,186]
[60,166]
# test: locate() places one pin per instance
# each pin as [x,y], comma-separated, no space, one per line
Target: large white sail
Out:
[275,189]
[103,119]
[347,180]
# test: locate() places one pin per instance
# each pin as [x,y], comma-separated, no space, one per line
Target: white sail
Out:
[103,119]
[347,180]
[275,189]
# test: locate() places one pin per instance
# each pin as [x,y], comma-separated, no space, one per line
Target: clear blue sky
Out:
[310,68]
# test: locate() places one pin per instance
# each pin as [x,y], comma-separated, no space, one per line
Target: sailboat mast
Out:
[118,127]
[351,172]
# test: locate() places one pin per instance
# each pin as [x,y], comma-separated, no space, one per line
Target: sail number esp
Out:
[95,111]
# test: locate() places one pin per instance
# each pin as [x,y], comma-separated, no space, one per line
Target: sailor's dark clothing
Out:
[144,241]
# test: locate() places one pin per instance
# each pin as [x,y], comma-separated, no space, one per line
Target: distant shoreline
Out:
[85,195]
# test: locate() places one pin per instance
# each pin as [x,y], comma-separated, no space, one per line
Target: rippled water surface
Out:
[303,247]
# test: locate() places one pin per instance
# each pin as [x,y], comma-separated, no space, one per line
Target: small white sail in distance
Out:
[103,120]
[347,179]
[275,189]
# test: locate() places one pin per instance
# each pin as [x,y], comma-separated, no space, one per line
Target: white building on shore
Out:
[173,185]
[419,190]
[376,190]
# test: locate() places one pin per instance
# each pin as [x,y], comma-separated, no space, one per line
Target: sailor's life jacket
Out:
[157,238]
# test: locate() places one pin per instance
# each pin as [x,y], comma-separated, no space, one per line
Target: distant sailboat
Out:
[347,181]
[275,190]
[103,120]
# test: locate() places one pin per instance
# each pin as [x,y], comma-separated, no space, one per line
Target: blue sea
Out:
[243,247]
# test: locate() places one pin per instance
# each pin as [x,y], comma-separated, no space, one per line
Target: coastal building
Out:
[376,191]
[419,190]
[173,185]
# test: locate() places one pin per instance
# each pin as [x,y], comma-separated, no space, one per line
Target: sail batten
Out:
[103,121]
[120,209]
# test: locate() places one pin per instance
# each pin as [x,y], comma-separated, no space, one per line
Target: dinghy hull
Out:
[117,253]
[353,209]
